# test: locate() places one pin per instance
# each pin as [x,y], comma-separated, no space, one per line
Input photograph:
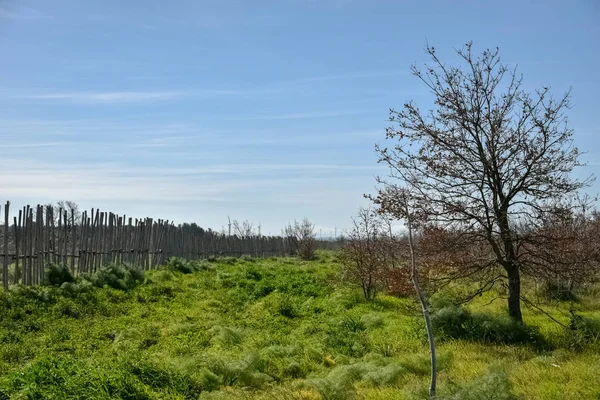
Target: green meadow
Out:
[282,328]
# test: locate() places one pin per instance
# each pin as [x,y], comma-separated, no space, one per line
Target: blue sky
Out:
[261,110]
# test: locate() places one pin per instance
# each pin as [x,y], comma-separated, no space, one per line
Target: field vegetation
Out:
[284,328]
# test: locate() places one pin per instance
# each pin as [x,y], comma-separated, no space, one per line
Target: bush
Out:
[117,276]
[57,274]
[456,322]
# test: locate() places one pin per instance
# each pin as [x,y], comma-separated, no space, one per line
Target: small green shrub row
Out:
[184,266]
[117,276]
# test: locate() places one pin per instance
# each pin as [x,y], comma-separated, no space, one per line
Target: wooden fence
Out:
[44,234]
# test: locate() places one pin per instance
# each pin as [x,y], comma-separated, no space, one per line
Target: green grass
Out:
[270,329]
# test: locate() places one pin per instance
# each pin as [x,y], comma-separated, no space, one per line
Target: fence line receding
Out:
[45,234]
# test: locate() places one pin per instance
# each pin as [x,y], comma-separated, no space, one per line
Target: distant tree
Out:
[562,248]
[193,228]
[70,208]
[244,229]
[488,159]
[301,236]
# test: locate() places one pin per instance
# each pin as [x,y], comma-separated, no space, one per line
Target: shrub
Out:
[57,274]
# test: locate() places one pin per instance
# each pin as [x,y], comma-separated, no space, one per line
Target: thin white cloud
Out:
[107,97]
[119,169]
[34,145]
[22,14]
[208,137]
[18,128]
[27,178]
[305,115]
[119,97]
[345,76]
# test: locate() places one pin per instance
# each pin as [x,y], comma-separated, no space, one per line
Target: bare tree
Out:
[243,229]
[301,236]
[489,157]
[367,255]
[70,208]
[562,249]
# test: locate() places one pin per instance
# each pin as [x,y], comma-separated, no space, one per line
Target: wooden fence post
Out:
[5,269]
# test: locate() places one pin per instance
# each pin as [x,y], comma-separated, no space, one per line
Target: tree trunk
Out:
[415,279]
[514,294]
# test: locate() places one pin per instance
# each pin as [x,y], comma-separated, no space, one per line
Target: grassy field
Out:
[273,329]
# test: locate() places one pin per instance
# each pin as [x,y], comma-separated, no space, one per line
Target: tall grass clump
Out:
[582,333]
[456,322]
[557,290]
[179,264]
[117,276]
[348,336]
[57,274]
[494,385]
